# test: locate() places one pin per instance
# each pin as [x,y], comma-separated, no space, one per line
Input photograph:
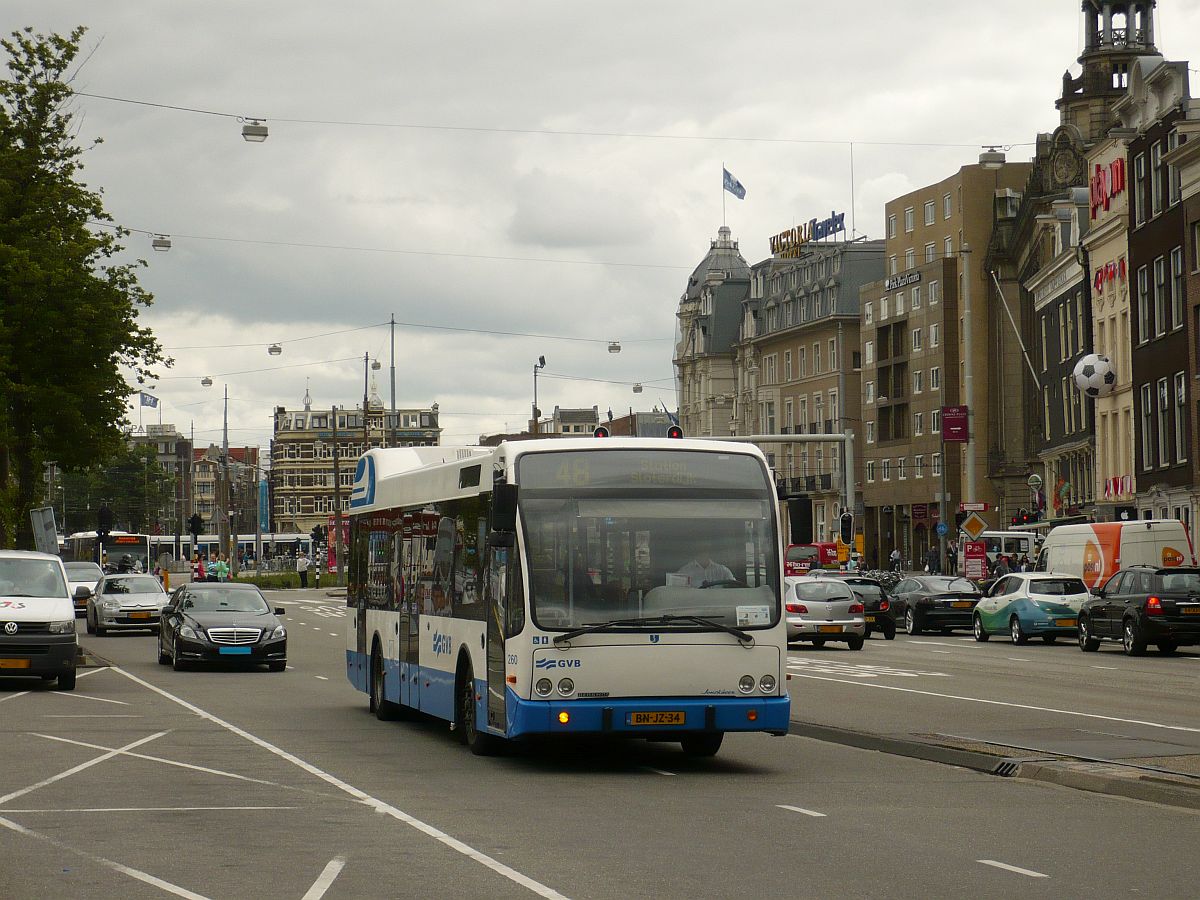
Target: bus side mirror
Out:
[504,506]
[504,540]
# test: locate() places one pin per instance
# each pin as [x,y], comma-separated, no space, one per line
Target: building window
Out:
[870,432]
[910,258]
[869,392]
[935,378]
[916,298]
[937,465]
[930,252]
[1145,312]
[935,335]
[1156,178]
[869,353]
[918,466]
[891,265]
[1177,288]
[816,359]
[869,312]
[908,220]
[1147,428]
[787,365]
[887,470]
[870,471]
[918,424]
[947,207]
[1160,296]
[1174,182]
[918,381]
[1196,246]
[833,357]
[1180,417]
[902,468]
[935,421]
[892,225]
[930,212]
[934,293]
[1139,189]
[916,339]
[1164,406]
[948,247]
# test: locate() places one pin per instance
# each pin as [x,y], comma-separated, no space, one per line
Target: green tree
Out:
[68,311]
[134,486]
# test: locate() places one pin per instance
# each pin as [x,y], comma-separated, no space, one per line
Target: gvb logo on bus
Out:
[442,644]
[558,663]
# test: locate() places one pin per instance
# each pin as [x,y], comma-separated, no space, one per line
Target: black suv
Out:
[1143,605]
[877,603]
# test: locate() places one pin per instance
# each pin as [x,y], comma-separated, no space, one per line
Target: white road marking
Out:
[108,863]
[78,676]
[14,696]
[854,670]
[366,799]
[802,811]
[322,677]
[158,759]
[117,809]
[1006,867]
[1111,668]
[925,644]
[325,879]
[79,768]
[940,651]
[1017,658]
[657,771]
[290,667]
[79,696]
[1049,709]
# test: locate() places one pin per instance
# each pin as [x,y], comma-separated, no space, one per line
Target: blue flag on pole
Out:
[148,400]
[733,185]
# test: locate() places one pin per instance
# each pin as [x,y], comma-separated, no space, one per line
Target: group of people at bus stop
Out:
[216,568]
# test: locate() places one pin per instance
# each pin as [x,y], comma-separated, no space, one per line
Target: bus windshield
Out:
[696,538]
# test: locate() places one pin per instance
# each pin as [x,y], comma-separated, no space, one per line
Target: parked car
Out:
[935,602]
[37,618]
[823,609]
[800,559]
[877,604]
[1144,605]
[85,575]
[1028,604]
[221,621]
[125,602]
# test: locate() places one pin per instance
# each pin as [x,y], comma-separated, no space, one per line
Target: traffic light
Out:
[195,526]
[317,534]
[675,432]
[847,528]
[600,431]
[104,521]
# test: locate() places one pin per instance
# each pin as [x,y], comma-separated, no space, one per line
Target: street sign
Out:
[956,428]
[45,535]
[942,529]
[975,559]
[973,526]
[973,507]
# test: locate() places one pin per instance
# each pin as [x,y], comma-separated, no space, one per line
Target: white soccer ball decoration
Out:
[1095,376]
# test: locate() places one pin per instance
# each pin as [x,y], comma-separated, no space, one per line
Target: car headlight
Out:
[62,627]
[111,606]
[187,631]
[279,632]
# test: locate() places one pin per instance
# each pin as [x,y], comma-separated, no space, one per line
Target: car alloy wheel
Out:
[1016,632]
[910,622]
[977,628]
[1087,643]
[1130,639]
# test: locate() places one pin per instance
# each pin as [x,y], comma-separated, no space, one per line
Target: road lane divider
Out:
[1017,869]
[804,812]
[331,871]
[81,767]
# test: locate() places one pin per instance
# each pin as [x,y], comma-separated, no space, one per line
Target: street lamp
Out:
[537,366]
[254,131]
[991,158]
[614,346]
[275,349]
[161,243]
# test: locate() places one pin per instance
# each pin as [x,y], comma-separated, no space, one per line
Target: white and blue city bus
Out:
[622,586]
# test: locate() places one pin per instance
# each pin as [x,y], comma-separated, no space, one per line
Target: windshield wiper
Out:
[743,637]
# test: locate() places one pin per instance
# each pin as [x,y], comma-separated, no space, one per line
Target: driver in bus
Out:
[703,569]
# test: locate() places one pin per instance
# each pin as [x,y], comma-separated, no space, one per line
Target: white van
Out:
[1094,552]
[1013,544]
[37,618]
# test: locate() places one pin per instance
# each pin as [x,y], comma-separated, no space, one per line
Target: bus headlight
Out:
[746,684]
[543,687]
[566,686]
[766,684]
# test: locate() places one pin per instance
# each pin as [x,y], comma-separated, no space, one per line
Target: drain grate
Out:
[1007,769]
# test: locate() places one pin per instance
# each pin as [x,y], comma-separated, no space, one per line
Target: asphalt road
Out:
[146,782]
[1042,696]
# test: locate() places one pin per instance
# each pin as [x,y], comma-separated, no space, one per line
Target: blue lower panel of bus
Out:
[632,716]
[435,688]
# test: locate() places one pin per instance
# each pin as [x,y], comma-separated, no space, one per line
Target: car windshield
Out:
[827,591]
[952,585]
[31,577]
[225,600]
[867,591]
[145,585]
[639,534]
[1056,587]
[83,571]
[1182,581]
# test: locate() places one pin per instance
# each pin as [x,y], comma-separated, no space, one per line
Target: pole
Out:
[535,409]
[722,194]
[968,372]
[224,492]
[366,430]
[853,226]
[943,513]
[337,505]
[395,415]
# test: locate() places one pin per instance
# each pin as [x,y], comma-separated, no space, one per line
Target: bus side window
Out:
[514,613]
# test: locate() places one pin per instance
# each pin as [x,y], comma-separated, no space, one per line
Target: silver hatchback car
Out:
[820,610]
[125,602]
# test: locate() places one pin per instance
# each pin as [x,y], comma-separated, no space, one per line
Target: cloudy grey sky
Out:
[495,224]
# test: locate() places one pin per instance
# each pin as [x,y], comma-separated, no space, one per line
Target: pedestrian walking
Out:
[933,562]
[198,573]
[302,564]
[895,559]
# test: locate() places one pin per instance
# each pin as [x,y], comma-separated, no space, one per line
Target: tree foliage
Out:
[132,484]
[68,309]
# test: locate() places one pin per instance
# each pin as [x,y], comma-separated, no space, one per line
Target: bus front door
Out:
[497,610]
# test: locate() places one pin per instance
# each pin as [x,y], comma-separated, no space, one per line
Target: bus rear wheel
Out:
[480,742]
[384,710]
[705,744]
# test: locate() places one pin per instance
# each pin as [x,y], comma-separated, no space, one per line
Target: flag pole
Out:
[722,194]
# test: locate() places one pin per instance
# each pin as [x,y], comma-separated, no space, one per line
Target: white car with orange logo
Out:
[1094,552]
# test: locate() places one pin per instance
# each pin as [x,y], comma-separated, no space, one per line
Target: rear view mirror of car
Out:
[1098,592]
[279,611]
[82,592]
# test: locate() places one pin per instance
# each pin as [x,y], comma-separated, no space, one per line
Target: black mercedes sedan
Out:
[221,622]
[935,602]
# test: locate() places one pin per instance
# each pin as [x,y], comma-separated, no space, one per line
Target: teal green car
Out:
[1028,604]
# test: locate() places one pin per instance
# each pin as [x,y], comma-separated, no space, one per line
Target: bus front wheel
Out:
[706,744]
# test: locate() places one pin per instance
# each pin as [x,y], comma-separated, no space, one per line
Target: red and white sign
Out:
[1106,184]
[973,507]
[975,559]
[1118,486]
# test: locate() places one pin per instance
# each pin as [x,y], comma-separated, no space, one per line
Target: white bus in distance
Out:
[621,586]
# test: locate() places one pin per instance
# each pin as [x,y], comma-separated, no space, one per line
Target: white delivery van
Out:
[1095,551]
[37,618]
[1013,544]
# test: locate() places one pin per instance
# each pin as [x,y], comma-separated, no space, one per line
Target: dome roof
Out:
[723,256]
